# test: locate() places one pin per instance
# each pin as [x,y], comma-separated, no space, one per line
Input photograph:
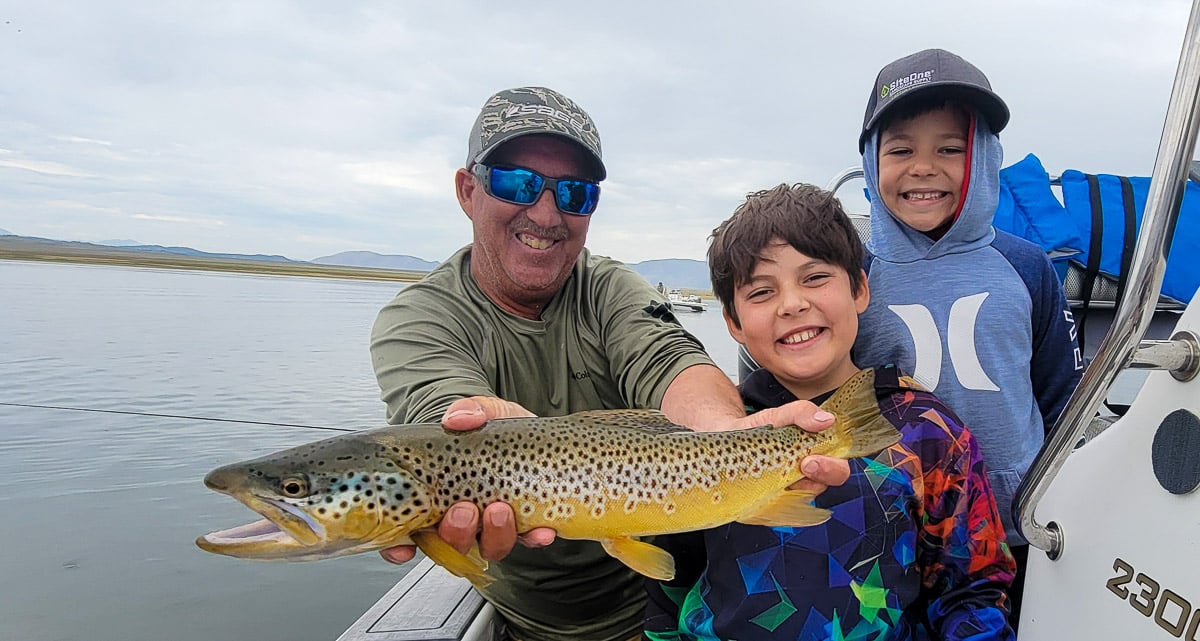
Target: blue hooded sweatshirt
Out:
[965,313]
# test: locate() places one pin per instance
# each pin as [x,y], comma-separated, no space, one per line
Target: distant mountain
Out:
[188,251]
[183,251]
[683,273]
[371,259]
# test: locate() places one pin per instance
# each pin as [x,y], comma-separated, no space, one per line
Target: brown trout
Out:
[608,475]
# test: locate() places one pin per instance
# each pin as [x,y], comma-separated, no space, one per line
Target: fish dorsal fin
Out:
[792,508]
[860,429]
[648,420]
[643,558]
[853,393]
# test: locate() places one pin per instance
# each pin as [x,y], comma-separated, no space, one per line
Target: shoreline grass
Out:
[87,254]
[55,253]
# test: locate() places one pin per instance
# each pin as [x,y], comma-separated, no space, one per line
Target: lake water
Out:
[99,511]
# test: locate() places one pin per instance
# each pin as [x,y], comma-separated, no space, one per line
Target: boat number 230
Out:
[1170,611]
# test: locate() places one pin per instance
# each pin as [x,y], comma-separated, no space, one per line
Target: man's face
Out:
[922,162]
[522,254]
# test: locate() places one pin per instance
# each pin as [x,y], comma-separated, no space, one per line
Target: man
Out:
[525,321]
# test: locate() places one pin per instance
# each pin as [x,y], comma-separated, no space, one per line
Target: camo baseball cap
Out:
[926,70]
[513,113]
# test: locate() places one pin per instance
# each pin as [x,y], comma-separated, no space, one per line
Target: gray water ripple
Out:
[101,510]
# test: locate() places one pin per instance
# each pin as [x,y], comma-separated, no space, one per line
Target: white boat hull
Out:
[1130,565]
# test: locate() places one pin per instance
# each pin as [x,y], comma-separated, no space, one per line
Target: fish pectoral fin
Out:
[791,508]
[471,566]
[643,558]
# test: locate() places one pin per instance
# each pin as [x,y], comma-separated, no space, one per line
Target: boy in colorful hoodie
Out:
[960,305]
[914,548]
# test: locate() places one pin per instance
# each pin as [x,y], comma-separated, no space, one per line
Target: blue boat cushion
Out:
[1029,209]
[1183,273]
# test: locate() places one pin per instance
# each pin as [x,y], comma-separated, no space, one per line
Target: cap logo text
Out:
[544,110]
[906,82]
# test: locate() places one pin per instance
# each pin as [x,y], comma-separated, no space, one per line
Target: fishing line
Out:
[183,416]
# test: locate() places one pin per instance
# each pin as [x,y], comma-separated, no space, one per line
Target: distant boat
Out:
[681,301]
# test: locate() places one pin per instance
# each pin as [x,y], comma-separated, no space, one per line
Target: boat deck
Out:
[428,604]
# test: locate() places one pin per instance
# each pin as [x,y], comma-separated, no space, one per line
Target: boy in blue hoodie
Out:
[956,302]
[914,548]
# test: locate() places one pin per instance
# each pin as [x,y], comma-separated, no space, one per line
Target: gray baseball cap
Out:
[922,71]
[513,113]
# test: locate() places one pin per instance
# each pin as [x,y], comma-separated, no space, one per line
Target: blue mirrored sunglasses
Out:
[523,187]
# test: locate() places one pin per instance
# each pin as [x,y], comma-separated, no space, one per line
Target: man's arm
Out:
[703,398]
[422,361]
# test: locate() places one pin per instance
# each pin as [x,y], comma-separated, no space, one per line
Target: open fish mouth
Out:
[260,531]
[284,529]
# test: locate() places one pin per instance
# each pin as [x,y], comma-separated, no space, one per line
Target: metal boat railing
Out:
[1122,347]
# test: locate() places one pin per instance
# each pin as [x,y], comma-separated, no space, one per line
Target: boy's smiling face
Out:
[798,319]
[922,162]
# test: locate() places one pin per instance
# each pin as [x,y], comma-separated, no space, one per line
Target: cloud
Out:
[48,167]
[179,220]
[277,127]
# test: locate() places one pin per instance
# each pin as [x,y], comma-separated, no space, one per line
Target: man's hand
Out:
[461,524]
[820,472]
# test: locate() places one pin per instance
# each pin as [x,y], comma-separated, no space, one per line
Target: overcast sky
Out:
[309,128]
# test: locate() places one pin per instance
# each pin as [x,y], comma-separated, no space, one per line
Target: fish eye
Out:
[295,487]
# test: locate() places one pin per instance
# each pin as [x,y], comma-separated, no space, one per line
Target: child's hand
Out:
[821,472]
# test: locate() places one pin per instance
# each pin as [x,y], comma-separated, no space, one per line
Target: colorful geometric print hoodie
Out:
[965,313]
[914,549]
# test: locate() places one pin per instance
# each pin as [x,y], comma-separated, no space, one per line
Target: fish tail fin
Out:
[860,428]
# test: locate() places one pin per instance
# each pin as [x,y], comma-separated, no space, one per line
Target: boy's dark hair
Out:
[920,105]
[808,218]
